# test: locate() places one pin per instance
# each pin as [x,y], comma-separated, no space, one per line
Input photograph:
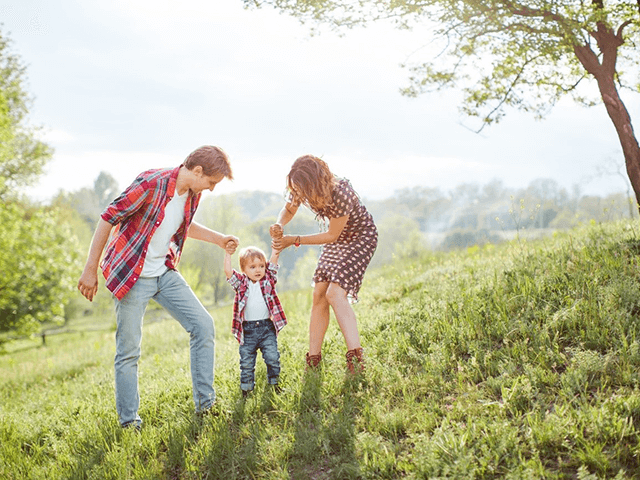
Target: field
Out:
[514,361]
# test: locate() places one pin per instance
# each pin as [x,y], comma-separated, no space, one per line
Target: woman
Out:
[348,245]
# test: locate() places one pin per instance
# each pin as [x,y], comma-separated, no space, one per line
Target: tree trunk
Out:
[604,71]
[622,123]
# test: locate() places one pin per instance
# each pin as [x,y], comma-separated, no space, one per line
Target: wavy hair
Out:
[311,182]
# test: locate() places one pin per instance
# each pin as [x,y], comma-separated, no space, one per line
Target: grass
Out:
[512,361]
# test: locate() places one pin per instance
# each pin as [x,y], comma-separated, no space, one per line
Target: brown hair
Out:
[311,182]
[249,253]
[213,160]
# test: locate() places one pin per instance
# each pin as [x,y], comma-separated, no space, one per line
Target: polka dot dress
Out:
[344,261]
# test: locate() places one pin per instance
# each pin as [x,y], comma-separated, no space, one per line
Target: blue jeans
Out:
[259,335]
[172,292]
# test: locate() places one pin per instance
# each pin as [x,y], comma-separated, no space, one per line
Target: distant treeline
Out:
[410,222]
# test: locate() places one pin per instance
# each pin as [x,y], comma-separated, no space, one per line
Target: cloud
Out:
[56,136]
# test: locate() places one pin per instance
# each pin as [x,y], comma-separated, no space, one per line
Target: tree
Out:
[106,189]
[39,264]
[525,54]
[22,155]
[38,253]
[222,215]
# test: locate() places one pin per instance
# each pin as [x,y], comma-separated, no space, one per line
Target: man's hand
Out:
[230,243]
[231,247]
[88,284]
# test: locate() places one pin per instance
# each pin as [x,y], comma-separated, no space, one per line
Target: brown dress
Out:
[345,260]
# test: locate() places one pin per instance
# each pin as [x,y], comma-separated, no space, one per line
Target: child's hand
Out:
[276,230]
[231,247]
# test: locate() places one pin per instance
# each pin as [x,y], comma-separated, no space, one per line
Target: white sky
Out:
[127,85]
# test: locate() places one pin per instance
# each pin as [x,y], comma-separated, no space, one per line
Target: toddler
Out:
[257,313]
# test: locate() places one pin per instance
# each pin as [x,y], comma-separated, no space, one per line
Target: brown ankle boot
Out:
[355,360]
[313,360]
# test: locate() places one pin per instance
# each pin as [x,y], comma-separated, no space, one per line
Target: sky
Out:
[127,85]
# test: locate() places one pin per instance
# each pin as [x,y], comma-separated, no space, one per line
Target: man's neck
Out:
[183,181]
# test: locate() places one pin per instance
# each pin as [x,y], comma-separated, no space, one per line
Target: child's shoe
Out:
[245,393]
[355,360]
[313,360]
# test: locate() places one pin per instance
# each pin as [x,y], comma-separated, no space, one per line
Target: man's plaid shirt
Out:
[240,284]
[136,214]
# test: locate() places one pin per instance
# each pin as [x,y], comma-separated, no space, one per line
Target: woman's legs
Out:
[336,296]
[319,321]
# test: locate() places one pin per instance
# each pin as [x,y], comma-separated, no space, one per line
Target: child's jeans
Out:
[259,335]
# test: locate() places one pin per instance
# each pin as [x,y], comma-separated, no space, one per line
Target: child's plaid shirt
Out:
[240,284]
[136,214]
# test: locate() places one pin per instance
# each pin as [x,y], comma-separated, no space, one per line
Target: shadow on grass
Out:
[325,433]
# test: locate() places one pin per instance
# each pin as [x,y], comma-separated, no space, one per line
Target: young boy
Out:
[257,313]
[147,226]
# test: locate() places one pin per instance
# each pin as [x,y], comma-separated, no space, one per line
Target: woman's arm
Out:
[336,225]
[287,213]
[200,232]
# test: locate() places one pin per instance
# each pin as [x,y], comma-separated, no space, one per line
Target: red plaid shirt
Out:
[240,283]
[136,214]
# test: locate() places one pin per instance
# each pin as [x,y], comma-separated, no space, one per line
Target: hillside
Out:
[514,361]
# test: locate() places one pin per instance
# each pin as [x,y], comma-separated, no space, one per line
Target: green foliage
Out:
[398,236]
[89,202]
[512,361]
[38,261]
[22,155]
[37,251]
[222,215]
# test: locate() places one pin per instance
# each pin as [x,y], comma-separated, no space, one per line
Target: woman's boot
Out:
[355,360]
[313,360]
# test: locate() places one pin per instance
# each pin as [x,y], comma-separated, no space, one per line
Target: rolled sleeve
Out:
[272,270]
[235,280]
[126,203]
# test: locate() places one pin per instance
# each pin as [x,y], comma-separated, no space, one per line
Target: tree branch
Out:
[506,95]
[619,32]
[588,59]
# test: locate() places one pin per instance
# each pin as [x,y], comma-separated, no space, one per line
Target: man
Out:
[147,226]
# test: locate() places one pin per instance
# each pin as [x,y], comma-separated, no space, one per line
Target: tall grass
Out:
[512,361]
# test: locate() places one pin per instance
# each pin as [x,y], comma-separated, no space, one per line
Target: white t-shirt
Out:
[255,308]
[159,245]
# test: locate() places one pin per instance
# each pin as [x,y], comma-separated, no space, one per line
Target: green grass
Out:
[512,361]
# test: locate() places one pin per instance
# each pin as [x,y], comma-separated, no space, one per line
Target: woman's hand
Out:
[283,242]
[276,231]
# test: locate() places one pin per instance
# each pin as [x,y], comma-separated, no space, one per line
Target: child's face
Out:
[255,269]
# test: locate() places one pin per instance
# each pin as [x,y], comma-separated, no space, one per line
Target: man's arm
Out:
[88,282]
[200,232]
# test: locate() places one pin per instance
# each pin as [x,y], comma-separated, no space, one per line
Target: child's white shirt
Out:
[255,308]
